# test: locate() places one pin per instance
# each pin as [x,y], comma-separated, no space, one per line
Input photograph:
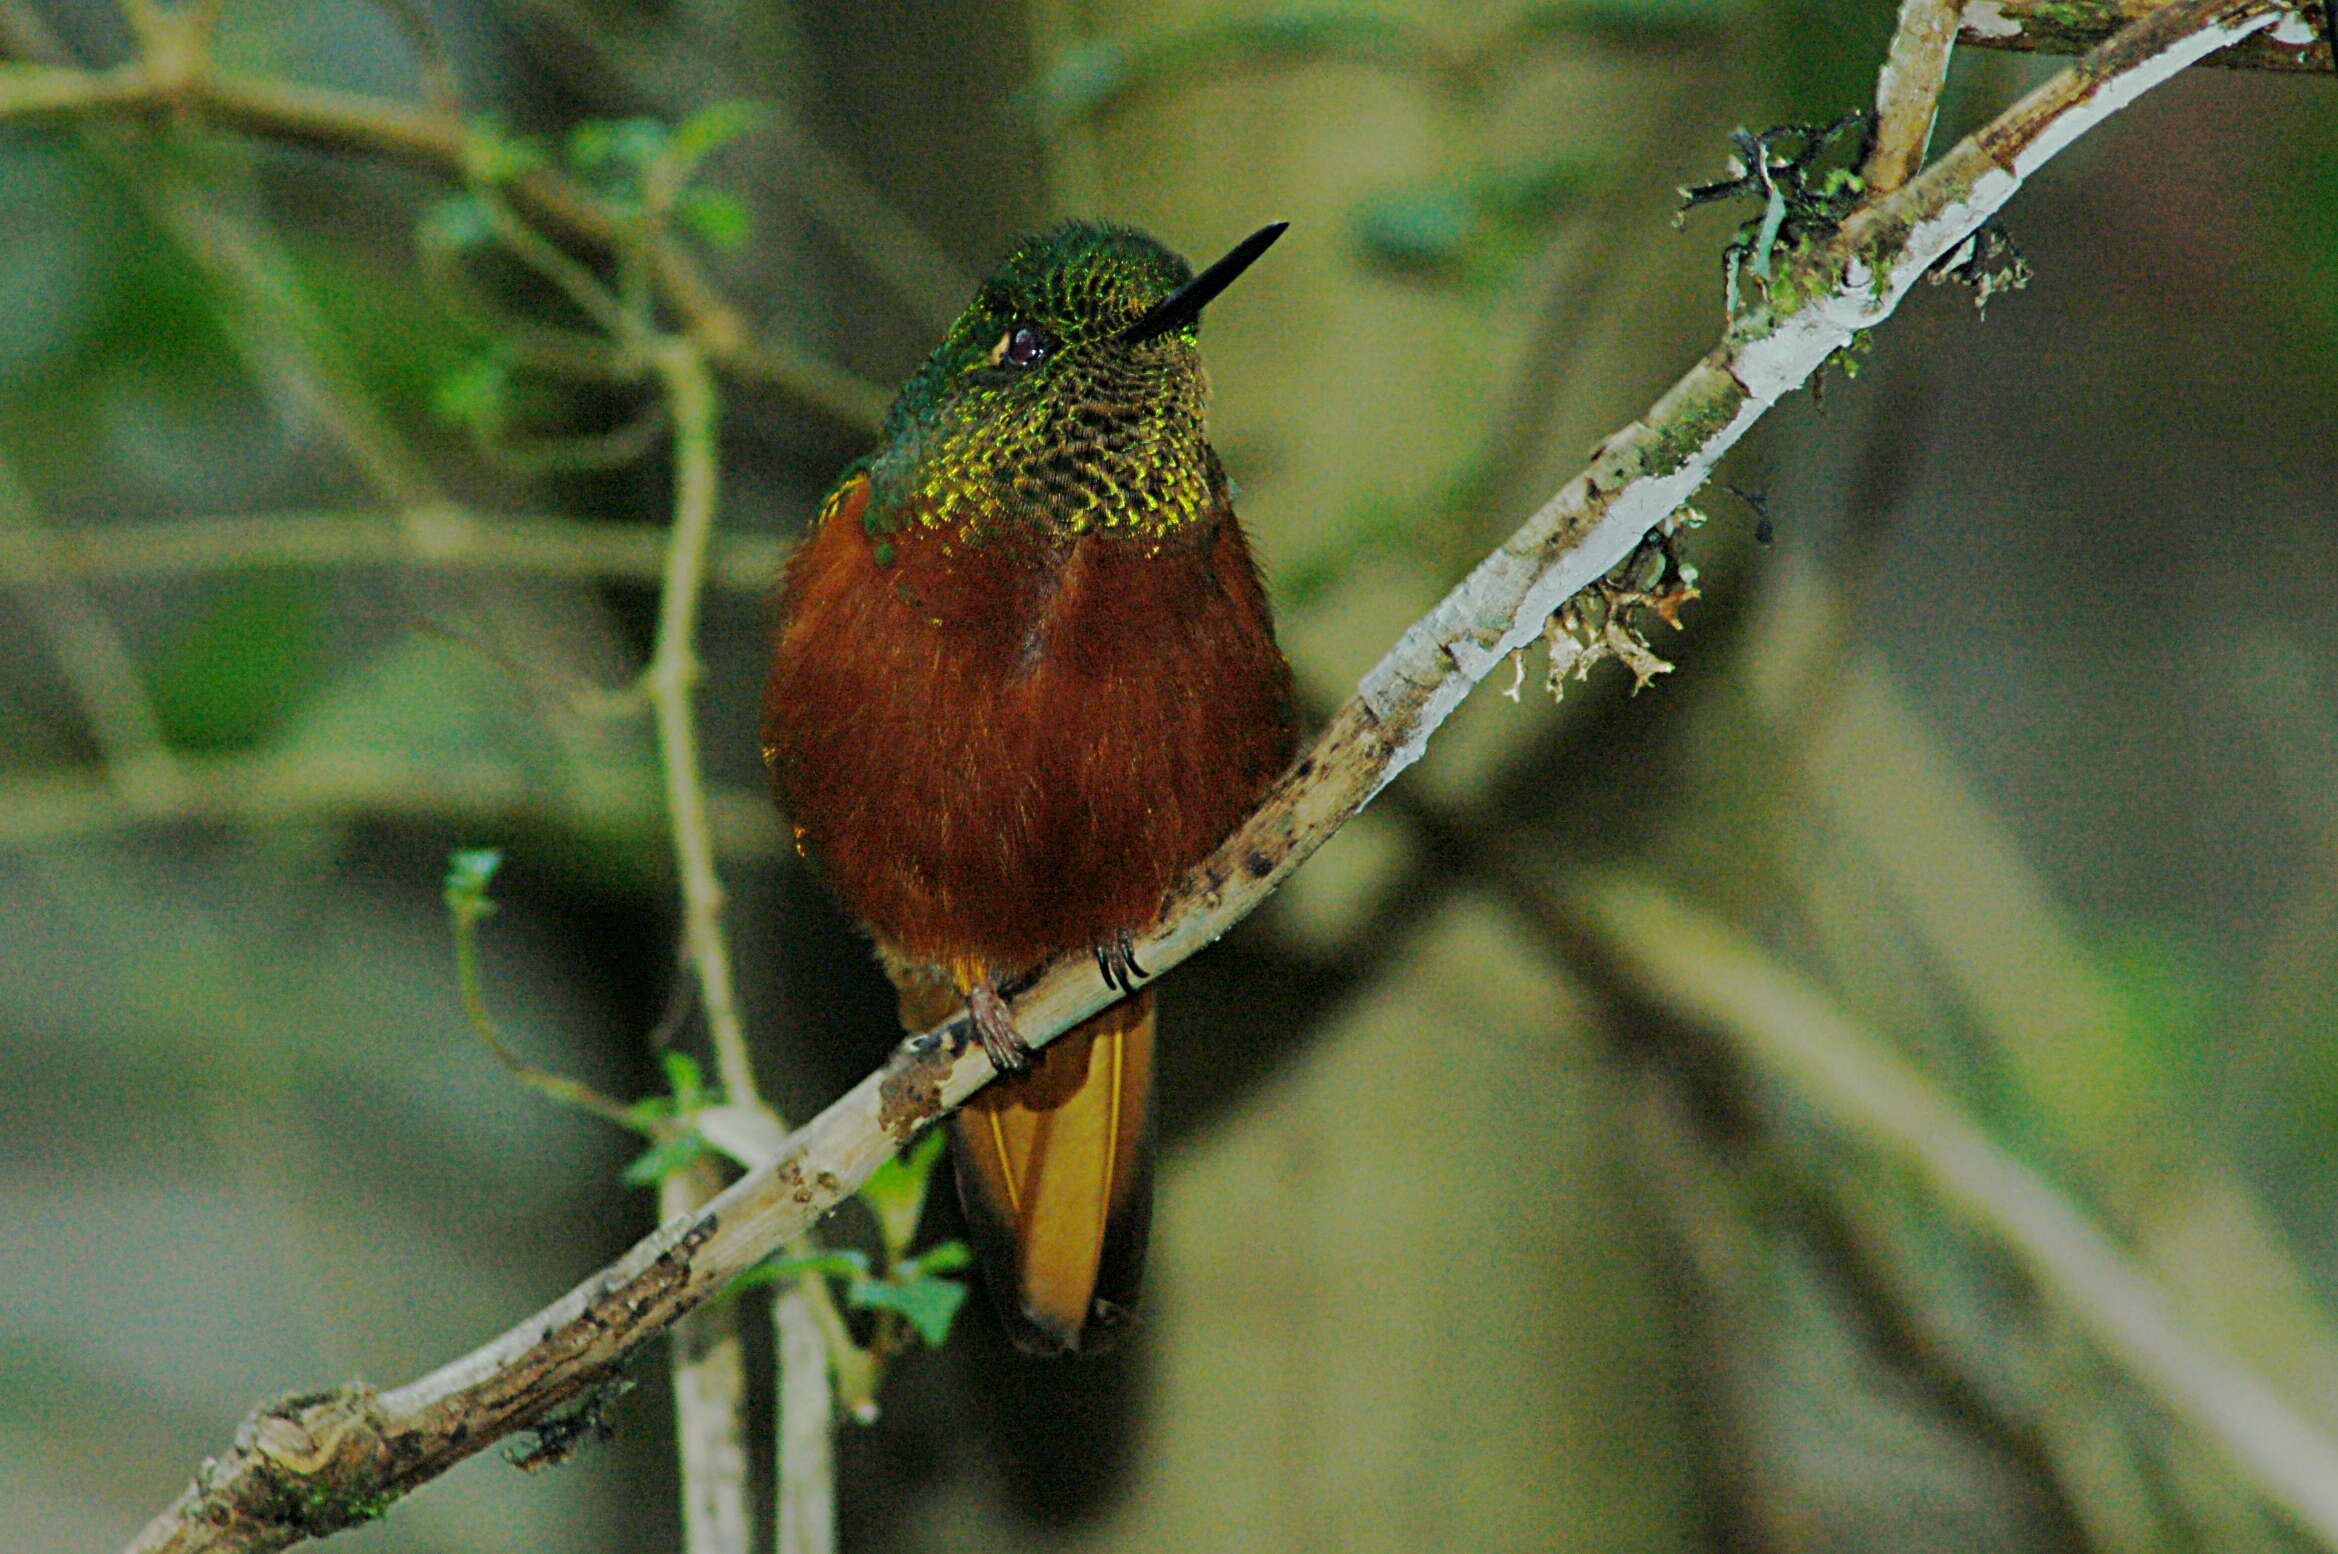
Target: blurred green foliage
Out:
[1477,229]
[231,676]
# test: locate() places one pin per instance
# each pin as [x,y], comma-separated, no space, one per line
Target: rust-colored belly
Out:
[996,753]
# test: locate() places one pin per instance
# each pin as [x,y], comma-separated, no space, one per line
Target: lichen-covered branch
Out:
[309,1465]
[2074,26]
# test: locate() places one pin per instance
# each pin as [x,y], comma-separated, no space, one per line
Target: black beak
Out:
[1182,306]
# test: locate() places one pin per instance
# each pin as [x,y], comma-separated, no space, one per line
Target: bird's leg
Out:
[1116,958]
[1009,1053]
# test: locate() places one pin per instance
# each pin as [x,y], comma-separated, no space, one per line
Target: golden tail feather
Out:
[1055,1171]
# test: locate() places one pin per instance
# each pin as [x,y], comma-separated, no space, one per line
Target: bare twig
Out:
[430,538]
[672,676]
[572,279]
[709,1370]
[467,910]
[306,1467]
[2074,26]
[139,763]
[303,787]
[264,310]
[290,347]
[1907,91]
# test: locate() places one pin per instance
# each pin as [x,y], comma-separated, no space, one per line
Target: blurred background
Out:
[1516,1195]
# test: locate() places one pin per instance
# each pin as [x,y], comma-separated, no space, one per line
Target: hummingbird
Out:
[1025,675]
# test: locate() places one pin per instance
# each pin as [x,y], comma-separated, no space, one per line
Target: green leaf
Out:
[895,1192]
[716,215]
[458,222]
[685,1079]
[477,394]
[493,156]
[589,143]
[617,144]
[713,127]
[650,1110]
[469,871]
[844,1263]
[942,1257]
[661,1160]
[928,1305]
[229,679]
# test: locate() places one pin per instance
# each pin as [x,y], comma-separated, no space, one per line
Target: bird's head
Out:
[1070,393]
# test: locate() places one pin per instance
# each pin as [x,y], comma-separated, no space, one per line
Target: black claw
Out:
[1116,959]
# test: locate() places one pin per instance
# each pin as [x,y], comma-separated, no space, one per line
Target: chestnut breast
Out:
[997,751]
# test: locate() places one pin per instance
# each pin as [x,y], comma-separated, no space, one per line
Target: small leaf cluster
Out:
[642,168]
[469,872]
[644,177]
[916,1290]
[1806,178]
[666,1119]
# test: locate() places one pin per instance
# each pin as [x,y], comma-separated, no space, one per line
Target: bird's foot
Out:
[1116,958]
[994,1027]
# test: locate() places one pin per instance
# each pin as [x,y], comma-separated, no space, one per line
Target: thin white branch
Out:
[1639,475]
[710,1400]
[807,1422]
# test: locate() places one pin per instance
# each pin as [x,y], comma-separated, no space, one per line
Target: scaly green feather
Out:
[1100,433]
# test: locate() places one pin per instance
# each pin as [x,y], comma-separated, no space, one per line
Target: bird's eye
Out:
[1022,346]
